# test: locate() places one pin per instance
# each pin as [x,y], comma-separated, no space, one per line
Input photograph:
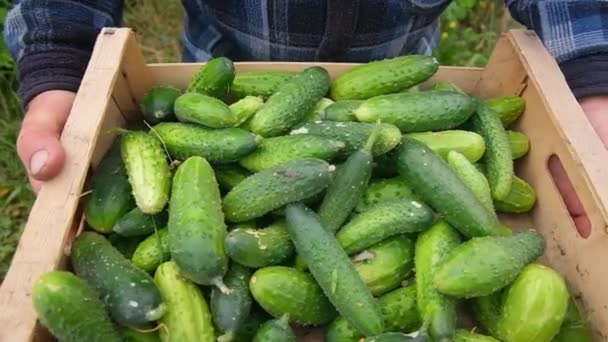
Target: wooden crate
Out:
[117,78]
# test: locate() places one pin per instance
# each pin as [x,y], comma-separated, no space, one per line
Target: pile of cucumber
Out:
[259,202]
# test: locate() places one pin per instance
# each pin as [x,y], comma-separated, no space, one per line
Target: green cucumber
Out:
[188,318]
[111,197]
[471,177]
[447,86]
[383,77]
[125,245]
[259,83]
[277,150]
[148,171]
[283,290]
[256,318]
[204,110]
[384,190]
[196,223]
[216,145]
[229,175]
[385,265]
[468,336]
[392,337]
[289,105]
[129,294]
[498,157]
[353,134]
[318,112]
[132,335]
[230,310]
[437,311]
[484,265]
[383,221]
[275,330]
[153,251]
[440,187]
[157,105]
[69,308]
[432,110]
[214,78]
[519,142]
[275,187]
[469,144]
[487,310]
[508,108]
[332,269]
[574,327]
[259,247]
[342,110]
[534,306]
[521,198]
[136,223]
[245,108]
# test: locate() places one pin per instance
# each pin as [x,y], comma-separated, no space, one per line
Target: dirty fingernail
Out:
[38,160]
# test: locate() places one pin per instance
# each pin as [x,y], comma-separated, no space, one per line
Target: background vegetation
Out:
[470,30]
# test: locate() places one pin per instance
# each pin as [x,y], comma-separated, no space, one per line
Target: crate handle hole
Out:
[569,197]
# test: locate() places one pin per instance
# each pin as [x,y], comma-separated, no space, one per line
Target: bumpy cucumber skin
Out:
[436,310]
[432,110]
[467,336]
[342,110]
[534,306]
[318,112]
[447,86]
[214,78]
[152,251]
[384,190]
[111,197]
[259,83]
[383,221]
[487,310]
[283,290]
[157,105]
[196,223]
[434,181]
[521,198]
[259,248]
[129,294]
[136,223]
[230,310]
[216,145]
[204,110]
[277,150]
[276,330]
[70,309]
[383,77]
[272,188]
[229,175]
[498,157]
[390,337]
[574,327]
[333,270]
[289,105]
[470,144]
[520,144]
[188,317]
[471,177]
[244,108]
[508,108]
[353,134]
[148,171]
[385,265]
[131,335]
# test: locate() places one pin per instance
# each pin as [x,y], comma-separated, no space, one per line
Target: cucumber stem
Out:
[371,139]
[284,321]
[219,283]
[227,337]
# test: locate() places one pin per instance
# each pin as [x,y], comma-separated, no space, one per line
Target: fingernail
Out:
[37,161]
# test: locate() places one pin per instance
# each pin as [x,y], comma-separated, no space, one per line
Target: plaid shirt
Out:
[52,39]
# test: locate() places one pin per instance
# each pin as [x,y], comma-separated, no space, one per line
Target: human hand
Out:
[38,142]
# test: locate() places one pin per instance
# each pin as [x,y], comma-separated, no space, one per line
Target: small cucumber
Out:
[196,223]
[574,327]
[148,171]
[259,248]
[153,251]
[342,110]
[384,190]
[469,144]
[214,78]
[204,110]
[437,311]
[385,265]
[70,309]
[440,187]
[484,265]
[521,198]
[111,197]
[471,177]
[520,144]
[393,337]
[289,105]
[468,336]
[534,306]
[125,245]
[277,150]
[245,108]
[318,112]
[383,77]
[216,145]
[157,105]
[333,271]
[431,110]
[508,108]
[129,294]
[383,221]
[132,335]
[272,188]
[136,223]
[353,134]
[447,86]
[283,290]
[188,318]
[498,157]
[275,330]
[487,310]
[229,175]
[259,83]
[230,310]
